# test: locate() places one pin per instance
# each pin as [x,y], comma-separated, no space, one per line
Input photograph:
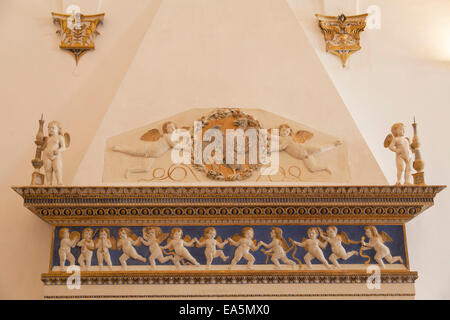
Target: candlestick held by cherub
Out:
[37,178]
[296,146]
[244,244]
[152,238]
[211,243]
[398,143]
[335,240]
[126,242]
[314,247]
[67,242]
[418,164]
[277,249]
[376,242]
[103,244]
[87,247]
[177,244]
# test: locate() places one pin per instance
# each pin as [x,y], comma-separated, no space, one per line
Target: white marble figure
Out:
[53,146]
[87,247]
[178,245]
[68,241]
[103,244]
[211,243]
[398,143]
[376,242]
[153,237]
[335,240]
[295,146]
[314,247]
[126,242]
[277,248]
[244,243]
[158,145]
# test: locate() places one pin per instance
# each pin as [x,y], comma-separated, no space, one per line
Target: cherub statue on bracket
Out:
[153,237]
[158,145]
[376,242]
[295,146]
[54,144]
[401,145]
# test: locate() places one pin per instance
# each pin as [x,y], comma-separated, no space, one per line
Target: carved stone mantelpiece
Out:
[229,210]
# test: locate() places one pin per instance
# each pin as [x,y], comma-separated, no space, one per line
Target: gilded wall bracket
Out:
[77,32]
[341,34]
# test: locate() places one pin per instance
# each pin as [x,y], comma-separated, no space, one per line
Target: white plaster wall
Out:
[402,70]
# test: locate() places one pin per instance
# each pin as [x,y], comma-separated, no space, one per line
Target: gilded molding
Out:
[228,277]
[112,205]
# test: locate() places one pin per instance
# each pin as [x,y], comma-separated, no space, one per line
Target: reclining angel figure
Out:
[296,146]
[158,145]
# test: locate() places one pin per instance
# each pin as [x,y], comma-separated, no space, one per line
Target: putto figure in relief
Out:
[376,242]
[244,244]
[103,244]
[153,237]
[210,242]
[296,146]
[314,247]
[68,241]
[158,145]
[126,242]
[178,246]
[53,147]
[401,145]
[335,240]
[278,248]
[87,247]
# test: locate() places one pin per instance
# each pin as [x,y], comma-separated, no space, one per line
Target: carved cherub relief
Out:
[335,240]
[277,249]
[244,244]
[376,242]
[127,240]
[158,145]
[211,243]
[103,243]
[297,147]
[177,244]
[313,245]
[152,238]
[68,241]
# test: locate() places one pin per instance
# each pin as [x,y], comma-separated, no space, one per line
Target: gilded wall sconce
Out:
[77,31]
[341,34]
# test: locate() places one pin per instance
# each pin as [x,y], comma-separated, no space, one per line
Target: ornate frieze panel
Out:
[272,247]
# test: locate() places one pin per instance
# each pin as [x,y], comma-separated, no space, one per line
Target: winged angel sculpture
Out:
[158,145]
[54,144]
